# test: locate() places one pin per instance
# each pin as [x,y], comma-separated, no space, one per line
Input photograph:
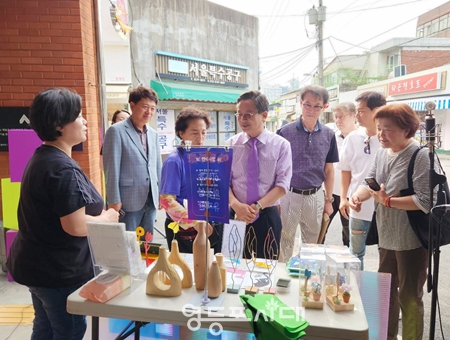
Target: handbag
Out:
[372,234]
[419,221]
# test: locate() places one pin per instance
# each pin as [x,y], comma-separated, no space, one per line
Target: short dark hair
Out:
[317,91]
[191,113]
[115,114]
[373,99]
[51,109]
[402,115]
[260,100]
[140,92]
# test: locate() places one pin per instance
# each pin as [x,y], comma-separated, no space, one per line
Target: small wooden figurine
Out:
[214,281]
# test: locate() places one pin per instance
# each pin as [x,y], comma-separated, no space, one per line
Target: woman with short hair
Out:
[401,253]
[50,253]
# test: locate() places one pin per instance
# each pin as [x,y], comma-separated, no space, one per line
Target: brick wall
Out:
[45,44]
[416,61]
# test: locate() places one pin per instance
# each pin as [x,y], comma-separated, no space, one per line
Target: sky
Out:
[351,27]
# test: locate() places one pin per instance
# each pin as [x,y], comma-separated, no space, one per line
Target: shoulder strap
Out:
[411,168]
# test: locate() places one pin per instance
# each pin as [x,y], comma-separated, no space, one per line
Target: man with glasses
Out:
[357,154]
[344,117]
[260,175]
[314,151]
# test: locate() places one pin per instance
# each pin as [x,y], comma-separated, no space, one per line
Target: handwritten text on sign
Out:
[208,172]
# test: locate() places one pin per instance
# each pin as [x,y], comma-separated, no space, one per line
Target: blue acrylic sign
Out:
[208,171]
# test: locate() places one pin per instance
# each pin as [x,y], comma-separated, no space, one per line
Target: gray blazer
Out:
[129,172]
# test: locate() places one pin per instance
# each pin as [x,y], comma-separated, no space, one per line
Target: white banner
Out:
[165,125]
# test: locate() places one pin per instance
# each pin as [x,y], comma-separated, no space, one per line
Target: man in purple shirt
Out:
[314,150]
[274,171]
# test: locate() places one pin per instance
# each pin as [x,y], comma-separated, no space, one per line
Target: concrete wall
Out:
[194,28]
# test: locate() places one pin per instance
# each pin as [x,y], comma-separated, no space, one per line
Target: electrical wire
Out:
[350,11]
[286,69]
[278,23]
[291,61]
[270,17]
[286,53]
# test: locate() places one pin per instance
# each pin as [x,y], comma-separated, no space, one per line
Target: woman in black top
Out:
[50,254]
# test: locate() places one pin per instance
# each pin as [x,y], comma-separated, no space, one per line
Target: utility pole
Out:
[317,17]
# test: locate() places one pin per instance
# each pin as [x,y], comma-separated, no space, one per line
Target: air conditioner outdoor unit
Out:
[399,71]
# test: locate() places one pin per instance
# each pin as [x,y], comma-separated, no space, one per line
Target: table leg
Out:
[137,332]
[95,327]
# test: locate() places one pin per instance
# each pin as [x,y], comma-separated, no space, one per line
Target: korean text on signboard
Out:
[165,126]
[427,82]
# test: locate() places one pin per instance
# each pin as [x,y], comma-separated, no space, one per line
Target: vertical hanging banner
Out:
[166,129]
[208,173]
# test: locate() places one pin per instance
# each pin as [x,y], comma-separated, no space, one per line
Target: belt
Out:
[304,192]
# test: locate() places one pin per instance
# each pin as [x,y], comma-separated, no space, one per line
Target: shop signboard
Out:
[427,82]
[165,126]
[181,67]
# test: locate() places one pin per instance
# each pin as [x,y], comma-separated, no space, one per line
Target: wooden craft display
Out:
[336,301]
[214,281]
[200,247]
[156,279]
[176,259]
[223,270]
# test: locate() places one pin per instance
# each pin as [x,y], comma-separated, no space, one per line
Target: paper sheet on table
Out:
[233,239]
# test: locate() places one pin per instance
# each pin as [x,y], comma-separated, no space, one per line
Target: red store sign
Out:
[428,82]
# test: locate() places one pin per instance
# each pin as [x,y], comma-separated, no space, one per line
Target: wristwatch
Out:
[329,199]
[258,206]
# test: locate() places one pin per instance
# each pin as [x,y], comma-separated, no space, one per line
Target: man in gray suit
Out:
[132,163]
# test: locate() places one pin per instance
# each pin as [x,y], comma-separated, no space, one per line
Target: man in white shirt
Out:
[344,117]
[356,156]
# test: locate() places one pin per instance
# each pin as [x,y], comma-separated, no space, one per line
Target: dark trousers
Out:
[186,238]
[258,239]
[344,221]
[409,273]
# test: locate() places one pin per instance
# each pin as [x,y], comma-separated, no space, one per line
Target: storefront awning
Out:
[170,90]
[442,103]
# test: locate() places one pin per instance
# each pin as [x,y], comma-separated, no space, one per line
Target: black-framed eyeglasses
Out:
[245,116]
[367,147]
[316,108]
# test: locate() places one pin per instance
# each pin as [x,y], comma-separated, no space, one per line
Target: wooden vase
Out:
[214,281]
[176,259]
[200,251]
[156,284]
[223,270]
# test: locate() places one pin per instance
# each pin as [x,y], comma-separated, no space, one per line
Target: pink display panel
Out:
[21,145]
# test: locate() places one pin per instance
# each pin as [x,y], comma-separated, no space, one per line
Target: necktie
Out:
[252,173]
